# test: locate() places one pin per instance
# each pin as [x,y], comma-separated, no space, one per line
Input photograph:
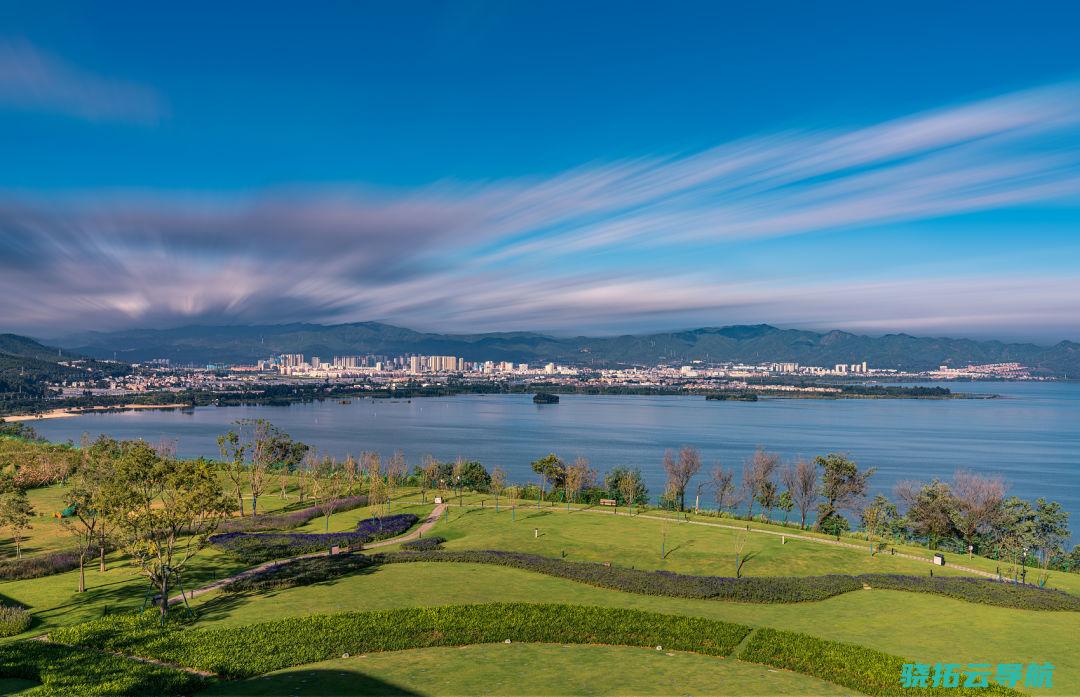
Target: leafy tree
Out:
[843,487]
[473,475]
[930,509]
[768,496]
[785,503]
[16,511]
[1051,529]
[626,486]
[84,497]
[232,452]
[498,484]
[327,484]
[162,510]
[552,471]
[429,475]
[879,516]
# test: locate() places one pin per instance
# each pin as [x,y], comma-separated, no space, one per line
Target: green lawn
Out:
[55,601]
[636,542]
[918,626]
[530,669]
[923,627]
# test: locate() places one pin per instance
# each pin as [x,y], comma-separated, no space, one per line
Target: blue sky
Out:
[565,167]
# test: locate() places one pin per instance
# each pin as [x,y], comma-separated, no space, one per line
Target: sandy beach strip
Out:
[62,413]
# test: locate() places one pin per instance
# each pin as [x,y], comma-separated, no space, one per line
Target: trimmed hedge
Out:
[756,589]
[424,544]
[259,547]
[14,620]
[751,589]
[286,521]
[246,651]
[858,668]
[979,590]
[68,670]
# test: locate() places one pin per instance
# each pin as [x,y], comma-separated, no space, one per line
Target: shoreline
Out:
[64,412]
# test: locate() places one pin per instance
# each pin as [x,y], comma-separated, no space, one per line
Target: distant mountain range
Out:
[245,344]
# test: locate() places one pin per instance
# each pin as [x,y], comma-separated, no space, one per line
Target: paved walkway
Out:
[428,524]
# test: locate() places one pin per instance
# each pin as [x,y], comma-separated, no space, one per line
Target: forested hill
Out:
[206,344]
[26,365]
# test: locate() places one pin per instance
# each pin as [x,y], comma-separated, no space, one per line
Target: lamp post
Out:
[1023,566]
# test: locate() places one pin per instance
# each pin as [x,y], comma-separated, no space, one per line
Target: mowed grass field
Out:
[921,627]
[530,669]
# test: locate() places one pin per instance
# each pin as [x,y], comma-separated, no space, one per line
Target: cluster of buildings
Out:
[296,364]
[1001,371]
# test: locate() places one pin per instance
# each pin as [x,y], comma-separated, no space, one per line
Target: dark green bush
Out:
[758,589]
[979,590]
[260,648]
[858,668]
[14,620]
[424,544]
[66,670]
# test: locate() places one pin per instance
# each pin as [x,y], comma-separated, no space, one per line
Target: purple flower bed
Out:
[289,520]
[386,526]
[43,565]
[259,547]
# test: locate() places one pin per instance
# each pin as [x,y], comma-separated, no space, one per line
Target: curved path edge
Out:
[425,526]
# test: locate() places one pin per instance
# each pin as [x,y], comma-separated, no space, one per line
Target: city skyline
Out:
[467,175]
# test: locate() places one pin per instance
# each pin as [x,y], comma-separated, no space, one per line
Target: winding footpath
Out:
[425,526]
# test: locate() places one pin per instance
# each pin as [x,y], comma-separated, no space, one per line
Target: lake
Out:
[1030,436]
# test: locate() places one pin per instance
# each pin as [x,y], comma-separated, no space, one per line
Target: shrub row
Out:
[858,668]
[424,543]
[259,547]
[250,650]
[288,520]
[14,620]
[66,670]
[979,590]
[756,589]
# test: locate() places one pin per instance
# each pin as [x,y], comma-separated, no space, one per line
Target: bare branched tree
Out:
[723,486]
[801,481]
[680,470]
[759,471]
[978,504]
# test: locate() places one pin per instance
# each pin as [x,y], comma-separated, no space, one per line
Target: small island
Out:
[545,398]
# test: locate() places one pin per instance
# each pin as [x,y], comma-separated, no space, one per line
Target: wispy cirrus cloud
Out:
[32,79]
[612,246]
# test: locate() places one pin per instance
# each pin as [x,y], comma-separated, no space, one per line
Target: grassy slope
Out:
[55,602]
[530,669]
[918,626]
[913,625]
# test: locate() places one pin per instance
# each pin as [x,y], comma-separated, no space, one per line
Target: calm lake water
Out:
[1030,436]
